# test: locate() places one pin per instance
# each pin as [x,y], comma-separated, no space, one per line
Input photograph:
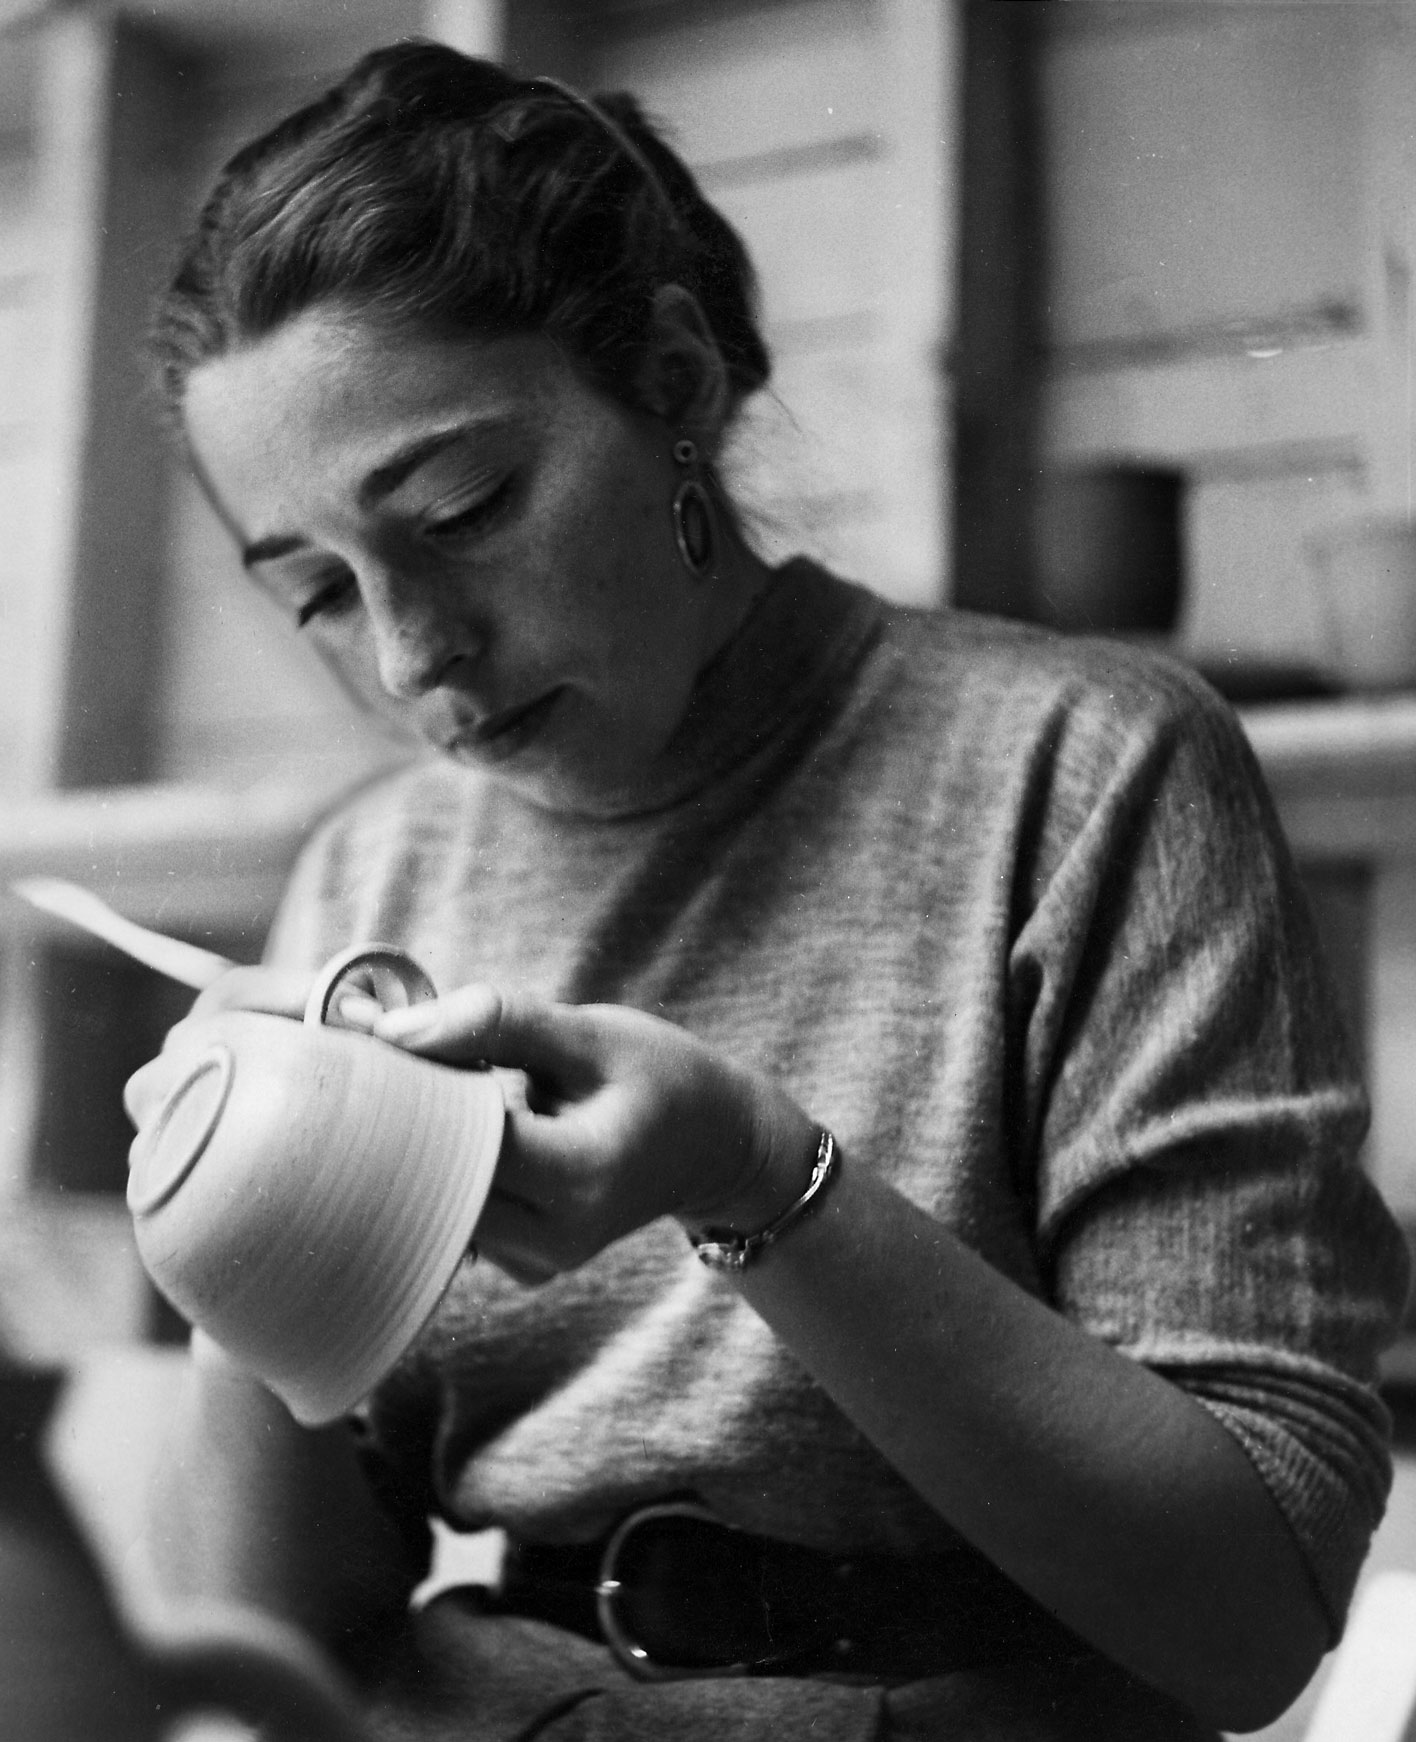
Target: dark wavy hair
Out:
[436,191]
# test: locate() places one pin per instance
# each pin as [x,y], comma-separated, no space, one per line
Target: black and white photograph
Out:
[707,870]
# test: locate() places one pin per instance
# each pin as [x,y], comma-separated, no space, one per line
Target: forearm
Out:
[1105,1491]
[251,1508]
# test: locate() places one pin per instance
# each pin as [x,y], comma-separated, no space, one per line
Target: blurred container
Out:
[1366,573]
[71,1668]
[1107,550]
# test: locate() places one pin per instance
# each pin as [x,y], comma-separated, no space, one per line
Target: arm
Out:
[247,1506]
[250,1508]
[1109,1494]
[1106,1492]
[1179,1452]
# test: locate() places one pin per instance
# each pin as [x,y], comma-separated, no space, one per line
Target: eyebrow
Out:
[380,483]
[385,479]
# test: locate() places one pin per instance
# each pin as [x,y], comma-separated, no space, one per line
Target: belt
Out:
[676,1593]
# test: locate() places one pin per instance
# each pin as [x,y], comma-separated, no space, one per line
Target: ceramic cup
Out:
[304,1194]
[1108,549]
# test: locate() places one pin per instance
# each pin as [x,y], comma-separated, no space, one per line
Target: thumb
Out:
[479,1025]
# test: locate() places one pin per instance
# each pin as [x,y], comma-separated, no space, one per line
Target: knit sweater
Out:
[1013,917]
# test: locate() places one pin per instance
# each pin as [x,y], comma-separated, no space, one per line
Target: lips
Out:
[506,732]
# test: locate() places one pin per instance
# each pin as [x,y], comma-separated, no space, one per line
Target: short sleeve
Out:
[1195,1115]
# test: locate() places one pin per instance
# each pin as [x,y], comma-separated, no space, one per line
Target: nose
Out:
[419,631]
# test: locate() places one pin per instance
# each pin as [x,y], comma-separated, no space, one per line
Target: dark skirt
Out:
[464,1676]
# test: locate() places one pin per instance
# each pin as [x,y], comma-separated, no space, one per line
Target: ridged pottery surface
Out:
[306,1194]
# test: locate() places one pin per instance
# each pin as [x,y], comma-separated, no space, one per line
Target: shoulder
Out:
[995,667]
[1002,706]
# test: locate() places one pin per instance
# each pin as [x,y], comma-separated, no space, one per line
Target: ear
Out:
[682,376]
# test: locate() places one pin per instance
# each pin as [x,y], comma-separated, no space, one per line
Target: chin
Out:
[538,783]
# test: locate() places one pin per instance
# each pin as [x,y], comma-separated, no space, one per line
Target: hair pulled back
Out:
[432,190]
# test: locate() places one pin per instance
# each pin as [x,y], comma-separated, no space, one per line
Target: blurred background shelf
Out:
[207,860]
[1343,772]
[203,862]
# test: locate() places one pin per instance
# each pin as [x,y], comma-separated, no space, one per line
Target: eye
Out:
[338,590]
[472,518]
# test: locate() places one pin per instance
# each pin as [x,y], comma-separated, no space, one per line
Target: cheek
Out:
[630,525]
[350,661]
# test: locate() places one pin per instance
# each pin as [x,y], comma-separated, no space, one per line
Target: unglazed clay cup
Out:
[305,1194]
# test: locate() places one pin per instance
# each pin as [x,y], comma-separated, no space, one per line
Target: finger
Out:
[147,1088]
[541,1160]
[528,1275]
[479,1025]
[547,1210]
[144,1091]
[356,1010]
[512,1236]
[276,991]
[514,1086]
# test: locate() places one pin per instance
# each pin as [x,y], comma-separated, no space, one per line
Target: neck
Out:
[737,579]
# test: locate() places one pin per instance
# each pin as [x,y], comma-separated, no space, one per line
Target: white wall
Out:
[1229,244]
[825,131]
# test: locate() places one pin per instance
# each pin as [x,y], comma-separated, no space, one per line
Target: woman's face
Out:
[476,541]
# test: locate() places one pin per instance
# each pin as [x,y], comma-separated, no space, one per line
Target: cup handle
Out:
[392,971]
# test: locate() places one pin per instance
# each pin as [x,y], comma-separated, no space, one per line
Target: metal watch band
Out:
[727,1251]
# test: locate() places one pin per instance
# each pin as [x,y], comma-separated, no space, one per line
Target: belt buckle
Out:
[610,1592]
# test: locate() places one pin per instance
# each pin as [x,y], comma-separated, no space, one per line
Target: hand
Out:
[276,992]
[626,1118]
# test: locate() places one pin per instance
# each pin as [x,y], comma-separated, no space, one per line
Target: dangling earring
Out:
[692,513]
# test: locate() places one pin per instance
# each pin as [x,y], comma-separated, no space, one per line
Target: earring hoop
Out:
[692,513]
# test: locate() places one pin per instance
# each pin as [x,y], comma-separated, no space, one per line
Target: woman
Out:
[965,963]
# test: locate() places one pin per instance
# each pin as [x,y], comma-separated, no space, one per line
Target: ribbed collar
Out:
[804,633]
